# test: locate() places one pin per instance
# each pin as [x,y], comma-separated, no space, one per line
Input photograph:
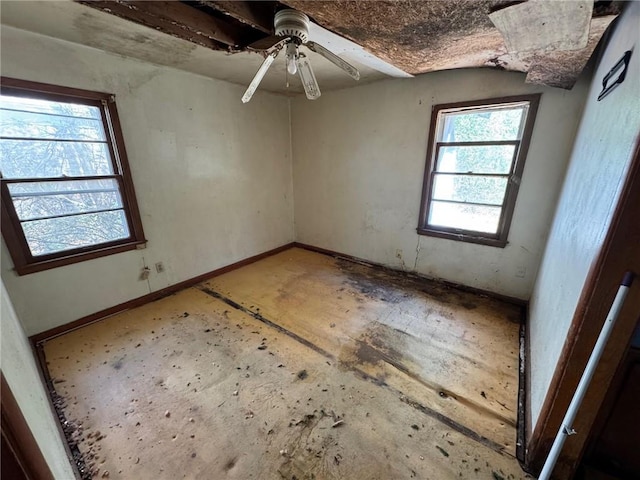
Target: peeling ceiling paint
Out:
[426,36]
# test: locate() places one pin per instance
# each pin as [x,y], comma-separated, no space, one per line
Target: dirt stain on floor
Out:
[378,346]
[391,286]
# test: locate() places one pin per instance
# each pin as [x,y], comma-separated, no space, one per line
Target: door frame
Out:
[17,433]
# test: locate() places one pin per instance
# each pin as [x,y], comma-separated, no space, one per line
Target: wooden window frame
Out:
[498,239]
[24,262]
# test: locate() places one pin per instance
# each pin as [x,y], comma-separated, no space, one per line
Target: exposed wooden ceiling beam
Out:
[258,15]
[179,20]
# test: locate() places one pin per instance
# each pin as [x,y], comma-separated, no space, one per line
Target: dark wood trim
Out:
[465,288]
[513,188]
[258,15]
[428,167]
[129,192]
[521,433]
[508,206]
[526,426]
[465,237]
[620,252]
[14,238]
[24,262]
[150,297]
[58,179]
[17,433]
[499,143]
[105,250]
[631,358]
[47,91]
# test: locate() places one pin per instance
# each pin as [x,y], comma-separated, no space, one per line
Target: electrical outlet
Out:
[521,271]
[144,274]
[159,267]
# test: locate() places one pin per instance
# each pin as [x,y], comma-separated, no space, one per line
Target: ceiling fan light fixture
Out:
[291,23]
[292,58]
[292,32]
[308,78]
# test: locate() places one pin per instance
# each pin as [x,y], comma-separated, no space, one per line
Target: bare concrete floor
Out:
[299,366]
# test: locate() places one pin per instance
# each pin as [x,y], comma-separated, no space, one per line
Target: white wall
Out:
[212,176]
[599,162]
[21,373]
[359,158]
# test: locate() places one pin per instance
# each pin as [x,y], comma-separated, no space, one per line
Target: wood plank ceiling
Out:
[415,36]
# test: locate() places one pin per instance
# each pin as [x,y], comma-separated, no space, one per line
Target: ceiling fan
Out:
[292,32]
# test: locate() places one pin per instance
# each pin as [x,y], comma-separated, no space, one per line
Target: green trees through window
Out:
[475,158]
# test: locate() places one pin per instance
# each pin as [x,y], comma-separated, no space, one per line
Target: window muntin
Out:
[476,157]
[65,215]
[66,189]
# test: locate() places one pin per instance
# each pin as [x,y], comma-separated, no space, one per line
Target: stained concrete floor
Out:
[299,366]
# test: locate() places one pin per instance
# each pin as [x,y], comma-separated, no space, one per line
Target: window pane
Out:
[66,233]
[465,217]
[485,124]
[47,199]
[476,159]
[8,102]
[463,188]
[33,159]
[40,125]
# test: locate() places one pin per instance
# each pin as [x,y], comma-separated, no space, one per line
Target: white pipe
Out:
[565,428]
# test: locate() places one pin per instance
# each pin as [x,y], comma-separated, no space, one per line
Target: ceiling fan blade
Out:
[335,59]
[259,75]
[309,82]
[267,43]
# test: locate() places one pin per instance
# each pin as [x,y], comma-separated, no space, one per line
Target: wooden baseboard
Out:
[527,427]
[505,298]
[150,297]
[523,403]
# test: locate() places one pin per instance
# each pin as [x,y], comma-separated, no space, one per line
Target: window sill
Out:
[463,237]
[39,266]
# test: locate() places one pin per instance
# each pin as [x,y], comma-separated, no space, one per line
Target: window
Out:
[67,193]
[475,160]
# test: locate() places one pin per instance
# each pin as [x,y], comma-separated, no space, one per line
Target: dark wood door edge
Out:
[505,298]
[632,356]
[150,297]
[619,253]
[16,432]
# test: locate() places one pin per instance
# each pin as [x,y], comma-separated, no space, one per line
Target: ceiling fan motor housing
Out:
[291,23]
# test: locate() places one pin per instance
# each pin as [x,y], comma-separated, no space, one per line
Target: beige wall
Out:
[359,158]
[599,162]
[21,372]
[212,176]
